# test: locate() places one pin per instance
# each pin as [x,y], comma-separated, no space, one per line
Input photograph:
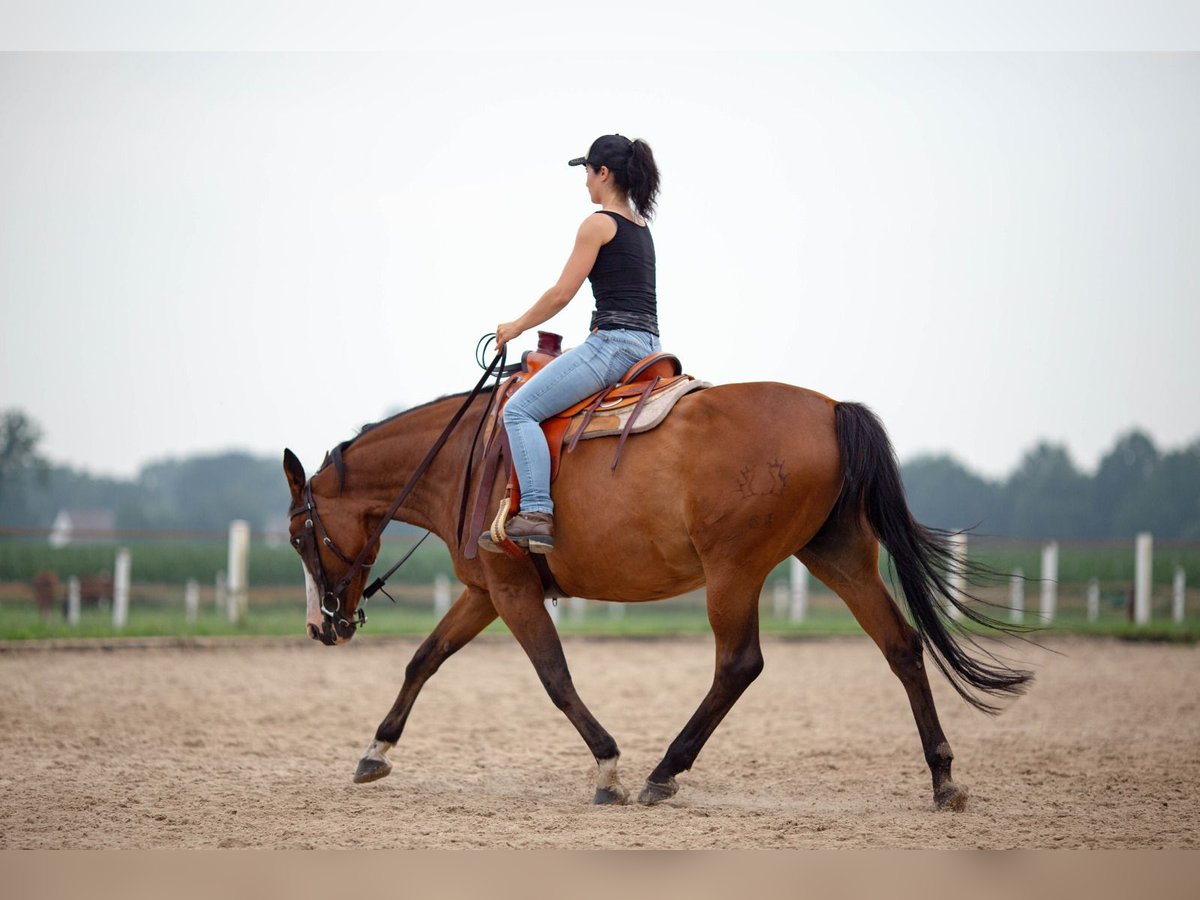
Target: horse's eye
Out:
[296,541]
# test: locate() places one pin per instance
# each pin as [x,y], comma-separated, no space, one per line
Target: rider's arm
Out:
[595,232]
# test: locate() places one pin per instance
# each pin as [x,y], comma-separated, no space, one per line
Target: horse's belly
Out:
[628,570]
[621,535]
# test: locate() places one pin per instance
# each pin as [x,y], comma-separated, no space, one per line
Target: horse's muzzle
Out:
[331,632]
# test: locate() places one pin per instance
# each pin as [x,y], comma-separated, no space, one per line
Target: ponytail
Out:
[641,175]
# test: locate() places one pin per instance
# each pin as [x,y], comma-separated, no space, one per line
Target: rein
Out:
[313,522]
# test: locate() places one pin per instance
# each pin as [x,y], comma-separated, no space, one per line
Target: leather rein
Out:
[335,617]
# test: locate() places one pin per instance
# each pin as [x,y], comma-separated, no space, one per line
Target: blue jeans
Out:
[596,363]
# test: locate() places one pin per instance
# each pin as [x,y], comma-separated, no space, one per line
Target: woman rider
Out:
[614,250]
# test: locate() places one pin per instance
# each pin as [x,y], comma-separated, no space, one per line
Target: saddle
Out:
[638,402]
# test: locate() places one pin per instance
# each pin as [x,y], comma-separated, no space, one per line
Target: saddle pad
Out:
[605,423]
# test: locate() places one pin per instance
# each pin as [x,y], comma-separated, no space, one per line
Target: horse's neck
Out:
[379,464]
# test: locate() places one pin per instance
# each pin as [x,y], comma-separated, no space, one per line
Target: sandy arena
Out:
[254,744]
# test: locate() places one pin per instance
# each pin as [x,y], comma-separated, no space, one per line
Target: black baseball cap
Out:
[612,150]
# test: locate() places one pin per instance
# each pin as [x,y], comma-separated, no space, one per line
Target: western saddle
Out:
[638,402]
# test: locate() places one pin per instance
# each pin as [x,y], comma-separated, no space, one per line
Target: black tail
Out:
[922,559]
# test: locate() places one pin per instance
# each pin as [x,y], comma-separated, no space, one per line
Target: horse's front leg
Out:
[523,610]
[470,614]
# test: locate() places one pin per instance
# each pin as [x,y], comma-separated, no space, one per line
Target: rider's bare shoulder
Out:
[598,229]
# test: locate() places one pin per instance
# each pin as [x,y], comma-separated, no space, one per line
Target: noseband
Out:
[334,617]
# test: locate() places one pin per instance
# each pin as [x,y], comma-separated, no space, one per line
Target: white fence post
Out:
[798,580]
[1093,600]
[441,595]
[1049,581]
[1143,570]
[1179,591]
[191,601]
[958,574]
[73,600]
[1016,596]
[121,589]
[238,568]
[220,596]
[552,607]
[780,598]
[578,608]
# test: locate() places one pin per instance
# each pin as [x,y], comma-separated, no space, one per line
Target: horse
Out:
[45,587]
[738,478]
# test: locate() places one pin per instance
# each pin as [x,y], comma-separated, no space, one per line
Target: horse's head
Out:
[330,543]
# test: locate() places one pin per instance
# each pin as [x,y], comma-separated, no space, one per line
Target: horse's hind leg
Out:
[733,614]
[848,562]
[470,614]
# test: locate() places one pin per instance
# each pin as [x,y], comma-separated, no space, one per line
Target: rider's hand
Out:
[505,332]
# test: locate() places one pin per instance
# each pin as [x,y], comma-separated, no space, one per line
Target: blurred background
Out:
[208,256]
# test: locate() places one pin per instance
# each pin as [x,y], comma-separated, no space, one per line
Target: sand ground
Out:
[253,744]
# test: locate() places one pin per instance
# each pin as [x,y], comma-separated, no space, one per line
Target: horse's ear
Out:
[294,472]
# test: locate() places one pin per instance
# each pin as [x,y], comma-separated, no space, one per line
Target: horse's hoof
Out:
[950,796]
[656,793]
[370,769]
[611,796]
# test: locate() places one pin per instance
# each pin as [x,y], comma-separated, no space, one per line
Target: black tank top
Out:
[623,279]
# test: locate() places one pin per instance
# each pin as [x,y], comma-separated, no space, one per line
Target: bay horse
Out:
[738,478]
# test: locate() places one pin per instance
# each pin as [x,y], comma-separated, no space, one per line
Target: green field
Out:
[161,567]
[176,561]
[158,611]
[23,623]
[1111,563]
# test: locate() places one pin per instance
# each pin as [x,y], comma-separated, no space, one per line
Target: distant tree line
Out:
[1137,487]
[198,493]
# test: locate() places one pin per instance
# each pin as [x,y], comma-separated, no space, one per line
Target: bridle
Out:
[336,620]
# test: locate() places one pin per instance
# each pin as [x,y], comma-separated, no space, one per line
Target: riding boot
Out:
[532,530]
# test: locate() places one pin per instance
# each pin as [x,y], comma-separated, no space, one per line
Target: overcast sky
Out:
[201,251]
